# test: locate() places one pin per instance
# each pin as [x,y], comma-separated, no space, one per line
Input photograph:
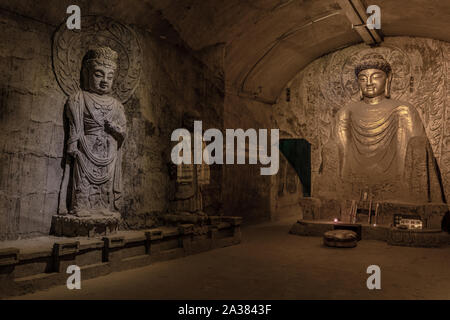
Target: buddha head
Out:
[99,70]
[374,75]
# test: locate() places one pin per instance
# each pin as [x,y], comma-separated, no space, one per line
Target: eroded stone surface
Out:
[33,133]
[92,226]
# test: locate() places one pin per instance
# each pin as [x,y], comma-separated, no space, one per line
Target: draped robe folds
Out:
[190,178]
[97,176]
[383,148]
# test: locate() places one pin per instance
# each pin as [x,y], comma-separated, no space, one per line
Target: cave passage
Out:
[298,154]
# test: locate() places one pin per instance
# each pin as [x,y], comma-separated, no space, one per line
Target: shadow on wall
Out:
[298,154]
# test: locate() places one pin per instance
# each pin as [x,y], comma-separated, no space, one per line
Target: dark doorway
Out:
[298,153]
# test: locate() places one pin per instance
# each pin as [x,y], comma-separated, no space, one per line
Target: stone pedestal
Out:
[185,217]
[392,235]
[416,238]
[324,209]
[93,226]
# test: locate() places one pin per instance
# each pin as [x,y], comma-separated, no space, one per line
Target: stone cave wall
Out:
[32,132]
[288,191]
[421,77]
[246,193]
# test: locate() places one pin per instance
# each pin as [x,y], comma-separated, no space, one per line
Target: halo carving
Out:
[69,47]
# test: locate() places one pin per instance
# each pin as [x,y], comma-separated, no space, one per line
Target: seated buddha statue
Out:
[380,143]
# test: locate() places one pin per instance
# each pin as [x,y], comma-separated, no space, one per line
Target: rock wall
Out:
[288,191]
[246,193]
[421,77]
[32,127]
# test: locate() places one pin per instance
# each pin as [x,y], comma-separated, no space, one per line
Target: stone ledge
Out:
[393,236]
[324,208]
[42,265]
[417,238]
[9,256]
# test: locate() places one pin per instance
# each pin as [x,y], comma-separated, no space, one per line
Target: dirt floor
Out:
[272,264]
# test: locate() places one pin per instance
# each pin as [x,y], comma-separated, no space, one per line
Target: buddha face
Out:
[101,78]
[372,82]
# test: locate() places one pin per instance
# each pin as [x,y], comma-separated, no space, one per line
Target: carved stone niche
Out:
[98,67]
[377,117]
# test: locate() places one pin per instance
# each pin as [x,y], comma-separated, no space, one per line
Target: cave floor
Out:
[272,264]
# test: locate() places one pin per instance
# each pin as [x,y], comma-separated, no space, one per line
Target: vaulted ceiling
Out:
[266,42]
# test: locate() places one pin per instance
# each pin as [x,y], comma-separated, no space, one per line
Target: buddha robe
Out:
[97,175]
[190,179]
[384,148]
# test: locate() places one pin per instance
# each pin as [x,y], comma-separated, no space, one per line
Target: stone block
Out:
[56,148]
[34,267]
[201,243]
[9,256]
[33,175]
[54,175]
[434,213]
[67,247]
[330,209]
[234,221]
[39,138]
[375,233]
[309,208]
[64,254]
[16,110]
[15,173]
[88,257]
[10,216]
[153,243]
[186,229]
[49,210]
[31,212]
[213,235]
[48,107]
[112,242]
[213,220]
[111,248]
[185,239]
[118,254]
[73,226]
[416,238]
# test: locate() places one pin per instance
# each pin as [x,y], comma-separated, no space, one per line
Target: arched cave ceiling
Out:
[267,42]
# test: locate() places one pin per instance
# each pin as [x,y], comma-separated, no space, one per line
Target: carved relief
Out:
[98,68]
[420,78]
[69,47]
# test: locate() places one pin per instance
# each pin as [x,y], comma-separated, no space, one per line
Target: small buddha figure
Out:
[190,177]
[381,142]
[97,130]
